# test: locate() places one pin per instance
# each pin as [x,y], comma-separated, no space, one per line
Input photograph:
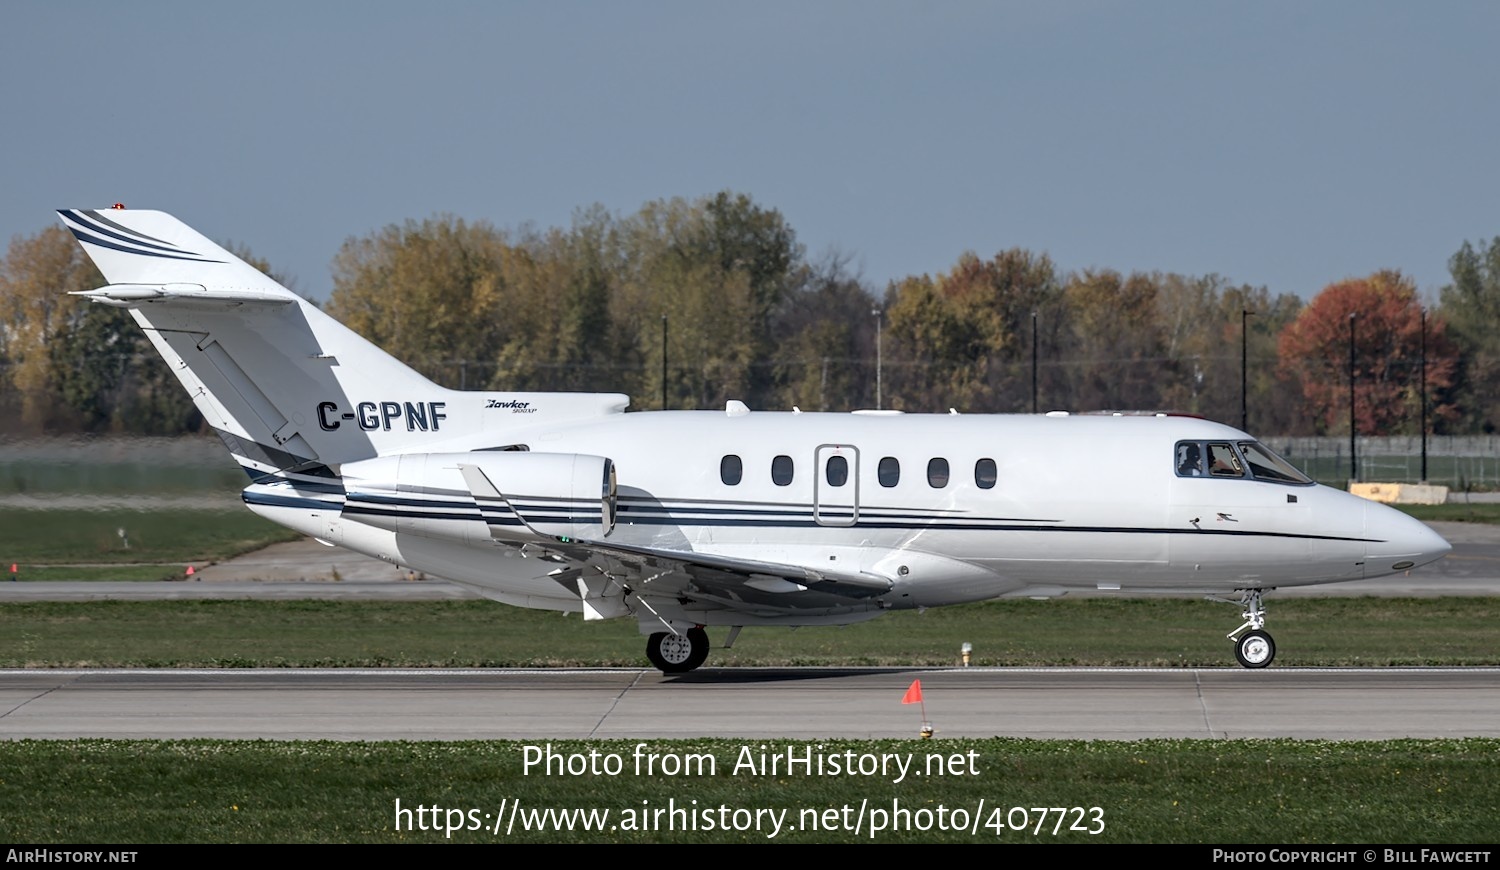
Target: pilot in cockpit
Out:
[1189,461]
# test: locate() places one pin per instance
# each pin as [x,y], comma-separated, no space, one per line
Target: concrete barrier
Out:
[1401,493]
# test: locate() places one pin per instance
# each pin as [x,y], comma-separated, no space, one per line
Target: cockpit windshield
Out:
[1265,465]
[1244,460]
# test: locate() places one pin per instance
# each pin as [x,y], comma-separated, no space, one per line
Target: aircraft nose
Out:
[1398,542]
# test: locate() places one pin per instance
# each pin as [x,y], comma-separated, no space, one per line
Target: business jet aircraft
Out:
[687,519]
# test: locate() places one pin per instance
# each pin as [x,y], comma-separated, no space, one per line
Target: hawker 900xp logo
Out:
[514,406]
[418,416]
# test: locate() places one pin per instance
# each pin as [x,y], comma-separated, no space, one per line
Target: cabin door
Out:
[836,485]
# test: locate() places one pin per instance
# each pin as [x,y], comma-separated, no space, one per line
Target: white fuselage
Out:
[1076,503]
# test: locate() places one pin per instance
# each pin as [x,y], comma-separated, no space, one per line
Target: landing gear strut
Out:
[1253,648]
[677,653]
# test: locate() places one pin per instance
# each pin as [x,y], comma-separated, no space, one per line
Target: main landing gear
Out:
[1254,648]
[677,653]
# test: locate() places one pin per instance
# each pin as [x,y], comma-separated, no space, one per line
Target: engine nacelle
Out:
[534,495]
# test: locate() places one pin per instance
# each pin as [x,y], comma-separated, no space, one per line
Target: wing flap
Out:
[749,573]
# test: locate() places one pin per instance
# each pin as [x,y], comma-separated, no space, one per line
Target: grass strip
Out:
[1155,791]
[1331,632]
[34,538]
[1481,512]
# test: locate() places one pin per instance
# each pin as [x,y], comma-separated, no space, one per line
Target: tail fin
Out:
[152,247]
[287,387]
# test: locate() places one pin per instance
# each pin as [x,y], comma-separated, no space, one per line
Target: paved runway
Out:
[1115,704]
[1122,704]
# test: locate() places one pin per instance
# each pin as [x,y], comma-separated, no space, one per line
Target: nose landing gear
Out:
[1255,649]
[1253,646]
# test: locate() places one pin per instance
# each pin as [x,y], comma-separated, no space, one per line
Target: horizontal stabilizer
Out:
[133,295]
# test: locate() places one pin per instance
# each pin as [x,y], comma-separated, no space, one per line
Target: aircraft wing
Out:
[599,570]
[770,578]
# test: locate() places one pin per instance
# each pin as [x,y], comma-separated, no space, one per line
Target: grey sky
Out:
[1289,144]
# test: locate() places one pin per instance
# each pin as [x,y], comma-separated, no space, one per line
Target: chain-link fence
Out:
[1459,462]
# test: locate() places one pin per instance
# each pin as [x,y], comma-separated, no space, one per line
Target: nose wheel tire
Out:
[677,653]
[1255,649]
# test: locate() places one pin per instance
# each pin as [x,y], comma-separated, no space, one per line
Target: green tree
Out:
[824,359]
[1201,319]
[759,245]
[1471,306]
[1118,354]
[557,293]
[718,268]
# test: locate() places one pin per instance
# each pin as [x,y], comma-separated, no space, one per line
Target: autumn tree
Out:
[580,308]
[1386,319]
[75,366]
[429,292]
[941,346]
[36,276]
[960,339]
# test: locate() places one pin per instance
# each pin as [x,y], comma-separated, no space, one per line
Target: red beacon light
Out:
[118,205]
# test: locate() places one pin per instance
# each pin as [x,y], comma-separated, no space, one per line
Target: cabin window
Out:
[731,469]
[781,471]
[837,471]
[889,471]
[985,474]
[1223,461]
[937,473]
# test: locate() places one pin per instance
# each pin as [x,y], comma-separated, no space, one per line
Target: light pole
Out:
[1353,465]
[1245,314]
[664,362]
[1033,362]
[879,360]
[1424,395]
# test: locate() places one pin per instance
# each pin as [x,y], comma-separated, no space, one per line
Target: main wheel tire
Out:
[1255,649]
[677,653]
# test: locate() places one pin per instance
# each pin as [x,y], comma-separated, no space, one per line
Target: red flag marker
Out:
[190,571]
[914,696]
